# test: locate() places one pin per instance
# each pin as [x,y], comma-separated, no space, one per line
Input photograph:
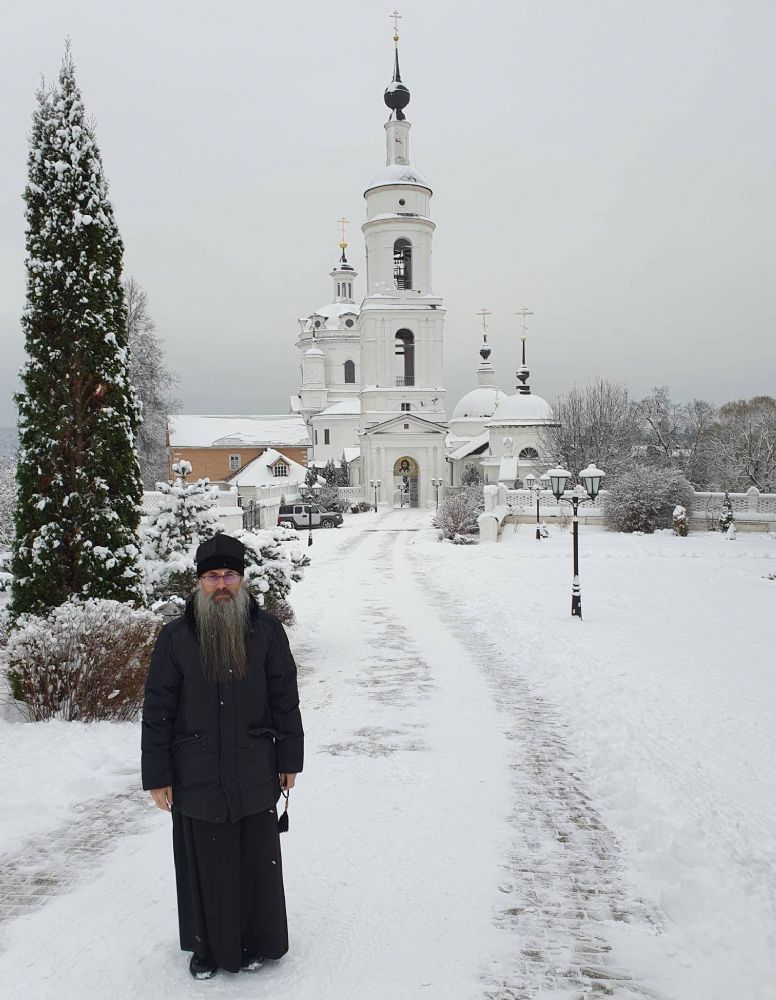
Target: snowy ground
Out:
[499,802]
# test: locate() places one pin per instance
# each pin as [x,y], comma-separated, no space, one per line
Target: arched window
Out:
[350,290]
[529,455]
[402,263]
[404,344]
[339,290]
[350,371]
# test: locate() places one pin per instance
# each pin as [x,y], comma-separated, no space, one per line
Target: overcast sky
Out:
[609,164]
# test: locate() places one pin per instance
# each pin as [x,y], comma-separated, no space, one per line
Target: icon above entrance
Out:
[405,482]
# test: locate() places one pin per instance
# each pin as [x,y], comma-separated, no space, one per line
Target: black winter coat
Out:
[221,746]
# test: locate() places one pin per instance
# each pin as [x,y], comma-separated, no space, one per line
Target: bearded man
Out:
[222,734]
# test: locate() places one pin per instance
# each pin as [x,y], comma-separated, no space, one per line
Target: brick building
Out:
[218,446]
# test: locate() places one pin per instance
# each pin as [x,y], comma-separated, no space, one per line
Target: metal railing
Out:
[403,380]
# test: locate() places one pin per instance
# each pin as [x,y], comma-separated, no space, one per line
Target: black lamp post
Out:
[436,483]
[591,477]
[309,493]
[375,484]
[530,482]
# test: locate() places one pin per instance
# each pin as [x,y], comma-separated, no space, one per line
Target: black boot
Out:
[251,964]
[202,968]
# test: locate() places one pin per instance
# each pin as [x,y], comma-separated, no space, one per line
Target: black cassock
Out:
[220,747]
[229,876]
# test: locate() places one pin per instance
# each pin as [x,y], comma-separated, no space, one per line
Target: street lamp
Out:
[530,482]
[375,484]
[591,477]
[436,483]
[309,494]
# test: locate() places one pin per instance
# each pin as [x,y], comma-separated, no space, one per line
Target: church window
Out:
[402,263]
[339,293]
[281,469]
[234,463]
[317,324]
[315,436]
[349,325]
[350,369]
[402,201]
[326,435]
[350,290]
[529,455]
[404,348]
[406,406]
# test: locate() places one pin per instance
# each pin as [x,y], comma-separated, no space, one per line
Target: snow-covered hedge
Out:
[458,512]
[273,561]
[85,660]
[644,499]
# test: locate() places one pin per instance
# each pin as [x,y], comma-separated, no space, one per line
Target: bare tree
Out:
[597,423]
[663,426]
[743,444]
[153,383]
[699,420]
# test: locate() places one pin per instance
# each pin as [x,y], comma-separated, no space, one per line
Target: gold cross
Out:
[396,18]
[343,222]
[523,313]
[484,313]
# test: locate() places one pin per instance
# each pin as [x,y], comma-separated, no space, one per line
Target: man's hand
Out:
[287,781]
[163,798]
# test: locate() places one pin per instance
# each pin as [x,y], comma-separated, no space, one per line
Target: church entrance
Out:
[405,482]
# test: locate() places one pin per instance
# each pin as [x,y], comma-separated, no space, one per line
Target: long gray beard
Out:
[221,628]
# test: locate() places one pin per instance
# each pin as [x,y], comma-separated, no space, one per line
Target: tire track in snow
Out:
[564,882]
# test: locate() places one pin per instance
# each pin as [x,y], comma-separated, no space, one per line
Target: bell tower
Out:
[402,320]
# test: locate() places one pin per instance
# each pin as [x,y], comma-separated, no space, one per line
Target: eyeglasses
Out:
[211,579]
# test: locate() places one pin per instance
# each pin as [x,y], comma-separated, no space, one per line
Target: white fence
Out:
[753,510]
[227,508]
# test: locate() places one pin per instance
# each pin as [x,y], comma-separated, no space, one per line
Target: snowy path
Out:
[447,836]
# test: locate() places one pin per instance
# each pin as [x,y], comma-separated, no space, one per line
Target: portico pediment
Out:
[406,423]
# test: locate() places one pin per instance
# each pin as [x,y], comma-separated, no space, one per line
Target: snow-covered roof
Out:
[345,407]
[480,402]
[314,352]
[336,309]
[522,409]
[259,471]
[351,454]
[469,447]
[295,404]
[200,431]
[397,173]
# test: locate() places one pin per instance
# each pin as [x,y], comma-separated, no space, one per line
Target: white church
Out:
[372,374]
[372,379]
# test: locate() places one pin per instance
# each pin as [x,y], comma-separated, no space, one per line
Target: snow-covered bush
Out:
[183,517]
[680,521]
[458,512]
[725,519]
[84,660]
[361,507]
[644,499]
[464,540]
[730,534]
[273,561]
[329,499]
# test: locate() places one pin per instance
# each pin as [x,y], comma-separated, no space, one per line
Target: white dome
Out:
[345,406]
[480,402]
[396,173]
[523,409]
[314,352]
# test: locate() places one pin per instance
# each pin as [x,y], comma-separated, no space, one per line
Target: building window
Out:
[315,436]
[404,348]
[350,372]
[280,469]
[234,463]
[350,290]
[529,455]
[349,323]
[402,263]
[406,406]
[326,435]
[339,292]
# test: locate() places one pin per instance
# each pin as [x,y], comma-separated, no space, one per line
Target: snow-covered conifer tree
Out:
[79,488]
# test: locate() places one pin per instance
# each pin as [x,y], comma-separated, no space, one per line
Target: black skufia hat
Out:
[221,552]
